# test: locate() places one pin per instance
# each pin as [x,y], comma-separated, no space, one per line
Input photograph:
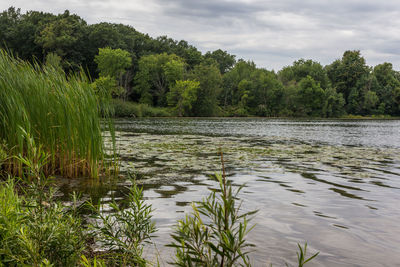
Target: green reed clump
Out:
[60,113]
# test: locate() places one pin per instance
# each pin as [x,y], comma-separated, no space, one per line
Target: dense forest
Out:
[177,78]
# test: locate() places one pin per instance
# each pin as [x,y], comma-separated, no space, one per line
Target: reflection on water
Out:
[334,184]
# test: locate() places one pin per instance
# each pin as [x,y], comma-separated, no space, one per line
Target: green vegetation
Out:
[124,231]
[123,108]
[42,109]
[37,230]
[137,68]
[214,234]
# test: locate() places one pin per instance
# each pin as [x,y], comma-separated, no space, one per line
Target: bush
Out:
[34,229]
[214,234]
[124,232]
[130,109]
[33,233]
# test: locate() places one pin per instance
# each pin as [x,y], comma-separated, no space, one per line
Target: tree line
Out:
[163,72]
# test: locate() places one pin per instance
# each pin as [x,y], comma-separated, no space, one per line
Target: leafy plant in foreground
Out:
[36,230]
[301,255]
[214,234]
[124,232]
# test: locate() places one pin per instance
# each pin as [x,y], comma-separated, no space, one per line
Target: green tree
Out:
[387,88]
[117,36]
[19,31]
[370,102]
[112,65]
[113,62]
[231,95]
[210,80]
[334,103]
[224,59]
[303,68]
[265,93]
[187,52]
[310,97]
[182,95]
[350,76]
[157,73]
[65,36]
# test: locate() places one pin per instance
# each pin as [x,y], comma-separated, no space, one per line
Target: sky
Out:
[273,34]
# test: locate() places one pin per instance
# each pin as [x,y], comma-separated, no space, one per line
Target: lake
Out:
[334,184]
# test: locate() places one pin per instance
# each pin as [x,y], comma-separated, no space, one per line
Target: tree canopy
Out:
[174,74]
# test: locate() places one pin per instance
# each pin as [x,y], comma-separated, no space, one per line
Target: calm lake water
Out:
[334,184]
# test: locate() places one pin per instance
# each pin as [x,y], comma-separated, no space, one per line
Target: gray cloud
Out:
[271,33]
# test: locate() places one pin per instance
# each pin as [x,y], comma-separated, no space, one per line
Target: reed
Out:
[59,112]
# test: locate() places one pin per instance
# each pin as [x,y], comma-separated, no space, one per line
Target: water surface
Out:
[332,183]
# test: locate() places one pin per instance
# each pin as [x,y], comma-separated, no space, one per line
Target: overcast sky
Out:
[271,33]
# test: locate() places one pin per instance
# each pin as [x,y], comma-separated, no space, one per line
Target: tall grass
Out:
[60,113]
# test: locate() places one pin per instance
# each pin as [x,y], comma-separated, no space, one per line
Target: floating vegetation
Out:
[162,157]
[41,107]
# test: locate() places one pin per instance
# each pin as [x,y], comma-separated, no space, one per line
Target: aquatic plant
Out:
[215,233]
[60,112]
[301,255]
[125,231]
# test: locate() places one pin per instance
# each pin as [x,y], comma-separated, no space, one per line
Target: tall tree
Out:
[210,80]
[113,62]
[224,59]
[311,98]
[182,95]
[65,36]
[387,88]
[113,65]
[303,68]
[157,73]
[350,76]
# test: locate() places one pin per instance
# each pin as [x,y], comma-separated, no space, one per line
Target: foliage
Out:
[303,68]
[301,255]
[210,80]
[60,113]
[65,35]
[36,230]
[148,68]
[214,234]
[123,108]
[224,60]
[112,62]
[106,87]
[85,262]
[182,96]
[157,73]
[124,232]
[311,97]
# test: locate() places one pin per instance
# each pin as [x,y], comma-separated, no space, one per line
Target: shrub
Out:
[32,233]
[124,232]
[130,109]
[214,234]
